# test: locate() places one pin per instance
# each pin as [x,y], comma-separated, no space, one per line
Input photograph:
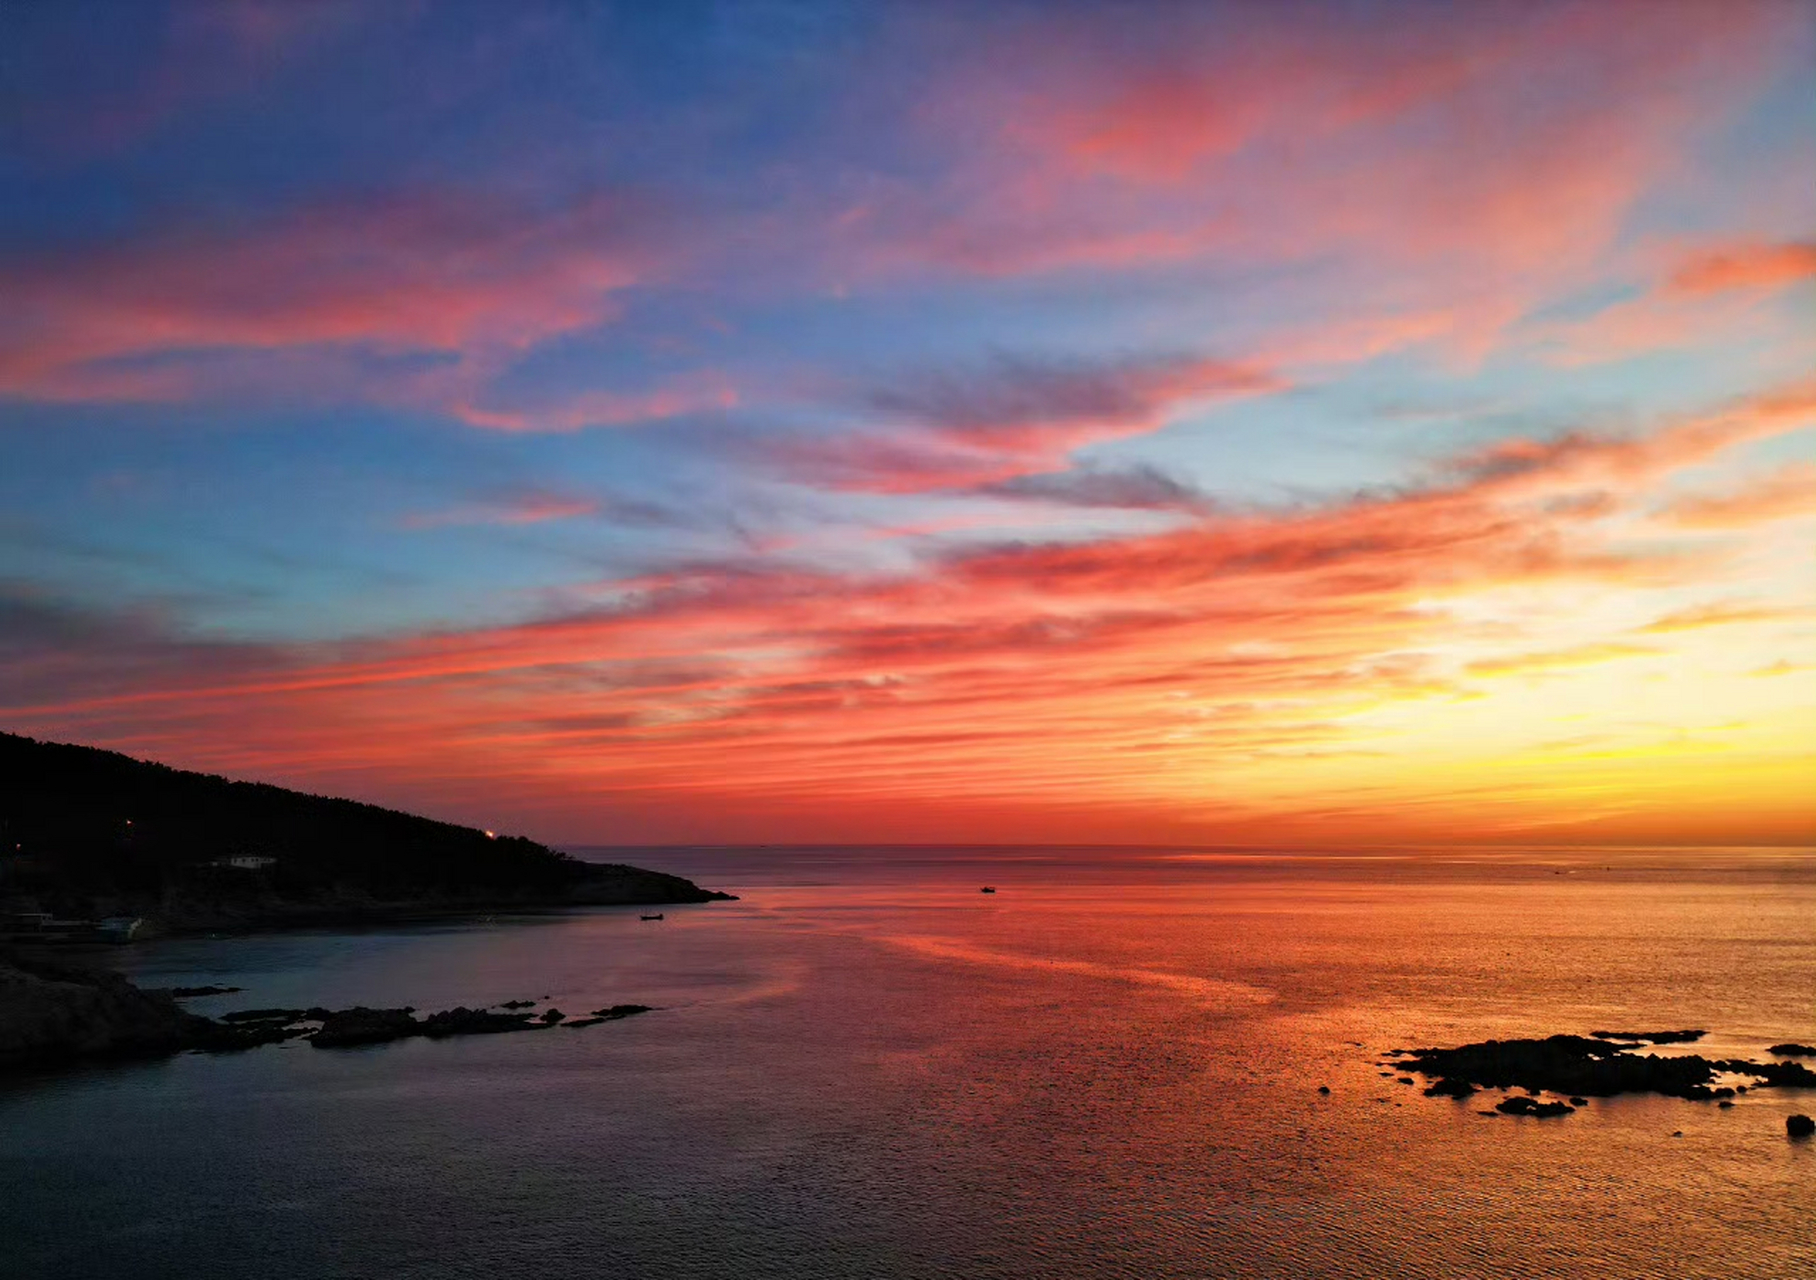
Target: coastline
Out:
[604,886]
[106,847]
[178,914]
[56,1013]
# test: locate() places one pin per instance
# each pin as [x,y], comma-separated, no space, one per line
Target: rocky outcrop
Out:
[461,1021]
[1785,1075]
[1524,1106]
[1653,1037]
[611,884]
[1450,1088]
[1792,1050]
[345,1028]
[359,1026]
[1594,1068]
[52,1013]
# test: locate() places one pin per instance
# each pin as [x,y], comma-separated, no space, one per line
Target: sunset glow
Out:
[923,422]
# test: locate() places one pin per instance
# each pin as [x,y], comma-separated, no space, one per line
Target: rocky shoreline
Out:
[347,1028]
[53,1013]
[56,1014]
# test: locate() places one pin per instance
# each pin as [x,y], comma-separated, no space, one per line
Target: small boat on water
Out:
[657,916]
[989,888]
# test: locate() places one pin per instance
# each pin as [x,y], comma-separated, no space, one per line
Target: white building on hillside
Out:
[245,862]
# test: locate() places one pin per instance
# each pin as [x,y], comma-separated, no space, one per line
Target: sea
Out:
[866,1067]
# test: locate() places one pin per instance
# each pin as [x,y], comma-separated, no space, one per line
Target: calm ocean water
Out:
[868,1068]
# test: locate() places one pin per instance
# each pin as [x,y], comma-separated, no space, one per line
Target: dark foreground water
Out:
[868,1068]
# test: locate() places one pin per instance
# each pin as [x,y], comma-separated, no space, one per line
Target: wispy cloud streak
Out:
[1240,640]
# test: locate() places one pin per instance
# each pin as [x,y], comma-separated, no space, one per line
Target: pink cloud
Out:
[693,394]
[741,681]
[523,506]
[1019,404]
[1725,290]
[1011,418]
[1456,175]
[198,55]
[430,273]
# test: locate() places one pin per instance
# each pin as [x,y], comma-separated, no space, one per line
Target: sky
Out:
[1330,424]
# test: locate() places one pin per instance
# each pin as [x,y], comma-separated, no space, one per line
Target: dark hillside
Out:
[87,832]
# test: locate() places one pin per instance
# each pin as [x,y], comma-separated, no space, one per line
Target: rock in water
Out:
[1450,1087]
[1655,1037]
[360,1025]
[1799,1126]
[1793,1050]
[1528,1107]
[263,1015]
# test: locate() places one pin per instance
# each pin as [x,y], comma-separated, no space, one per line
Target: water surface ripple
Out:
[1109,1068]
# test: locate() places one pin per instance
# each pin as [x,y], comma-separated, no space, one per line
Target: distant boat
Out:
[657,916]
[989,888]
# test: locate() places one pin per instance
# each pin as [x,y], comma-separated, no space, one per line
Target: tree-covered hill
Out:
[91,832]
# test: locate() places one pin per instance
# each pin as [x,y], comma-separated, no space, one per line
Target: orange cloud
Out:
[1754,266]
[1581,459]
[1079,685]
[1580,655]
[1787,494]
[1720,290]
[1716,615]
